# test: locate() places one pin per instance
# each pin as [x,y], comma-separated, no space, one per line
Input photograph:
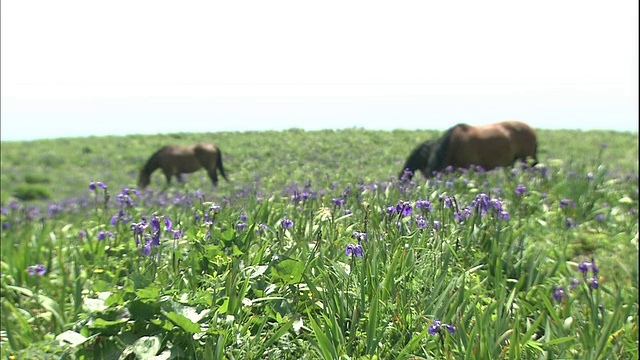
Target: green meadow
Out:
[315,250]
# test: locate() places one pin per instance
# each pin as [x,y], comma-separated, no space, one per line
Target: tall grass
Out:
[515,263]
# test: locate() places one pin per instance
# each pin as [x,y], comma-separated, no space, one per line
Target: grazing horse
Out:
[177,160]
[489,146]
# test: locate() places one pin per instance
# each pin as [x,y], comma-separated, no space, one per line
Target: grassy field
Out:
[314,250]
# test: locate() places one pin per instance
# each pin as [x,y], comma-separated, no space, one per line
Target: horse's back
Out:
[523,138]
[207,154]
[491,145]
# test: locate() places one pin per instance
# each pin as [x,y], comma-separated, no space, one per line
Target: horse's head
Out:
[144,179]
[418,160]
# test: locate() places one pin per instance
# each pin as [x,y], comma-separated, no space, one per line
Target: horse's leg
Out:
[213,176]
[167,174]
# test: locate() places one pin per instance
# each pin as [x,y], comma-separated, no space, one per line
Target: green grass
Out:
[236,284]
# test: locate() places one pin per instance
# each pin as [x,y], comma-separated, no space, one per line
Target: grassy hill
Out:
[63,167]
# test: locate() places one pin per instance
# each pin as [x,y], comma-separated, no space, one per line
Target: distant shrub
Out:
[51,160]
[36,179]
[32,192]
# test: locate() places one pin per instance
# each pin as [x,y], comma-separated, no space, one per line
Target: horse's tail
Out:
[219,165]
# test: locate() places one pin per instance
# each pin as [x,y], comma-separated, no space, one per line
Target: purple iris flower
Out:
[391,209]
[155,238]
[102,235]
[421,222]
[261,227]
[354,249]
[243,217]
[424,204]
[585,266]
[146,249]
[593,282]
[241,226]
[558,293]
[360,236]
[155,223]
[338,201]
[521,189]
[38,269]
[436,225]
[567,202]
[437,325]
[101,185]
[404,207]
[286,223]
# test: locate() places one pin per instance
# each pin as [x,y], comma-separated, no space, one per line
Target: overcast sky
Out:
[78,68]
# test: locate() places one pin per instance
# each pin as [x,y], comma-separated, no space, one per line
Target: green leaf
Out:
[183,322]
[71,338]
[289,271]
[146,347]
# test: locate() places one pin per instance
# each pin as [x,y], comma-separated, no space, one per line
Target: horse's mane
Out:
[153,163]
[418,157]
[441,150]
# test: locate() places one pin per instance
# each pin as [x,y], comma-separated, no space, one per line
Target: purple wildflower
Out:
[587,266]
[567,202]
[421,222]
[354,249]
[404,207]
[360,236]
[261,227]
[521,189]
[243,217]
[338,201]
[146,249]
[286,223]
[101,185]
[390,209]
[241,225]
[558,293]
[436,225]
[38,269]
[102,235]
[424,204]
[574,282]
[593,282]
[6,225]
[437,325]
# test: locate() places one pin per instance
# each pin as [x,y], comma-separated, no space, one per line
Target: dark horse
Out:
[177,160]
[489,146]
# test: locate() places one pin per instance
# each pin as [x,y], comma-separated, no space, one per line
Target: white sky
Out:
[78,68]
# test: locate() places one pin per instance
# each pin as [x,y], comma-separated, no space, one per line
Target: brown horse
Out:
[177,160]
[489,146]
